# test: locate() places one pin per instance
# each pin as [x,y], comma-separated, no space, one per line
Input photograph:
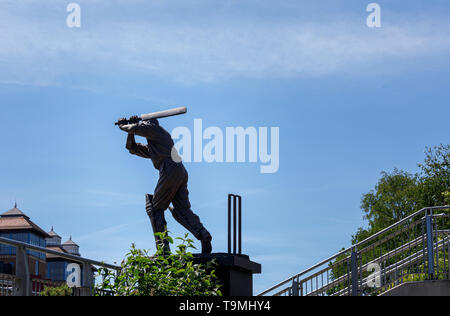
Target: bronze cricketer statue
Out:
[172,186]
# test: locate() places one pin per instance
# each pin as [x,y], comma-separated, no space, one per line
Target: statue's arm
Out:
[136,148]
[131,142]
[148,129]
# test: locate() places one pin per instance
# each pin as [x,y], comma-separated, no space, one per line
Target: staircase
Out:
[415,249]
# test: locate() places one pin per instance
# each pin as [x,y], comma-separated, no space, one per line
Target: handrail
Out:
[401,222]
[304,272]
[16,243]
[354,246]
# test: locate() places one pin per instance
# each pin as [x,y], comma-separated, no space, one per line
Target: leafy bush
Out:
[163,274]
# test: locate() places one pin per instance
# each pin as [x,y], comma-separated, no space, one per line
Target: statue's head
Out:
[152,122]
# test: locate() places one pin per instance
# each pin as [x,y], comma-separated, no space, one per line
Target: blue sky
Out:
[350,102]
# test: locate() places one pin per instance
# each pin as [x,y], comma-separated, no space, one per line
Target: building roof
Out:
[53,234]
[13,213]
[15,219]
[70,242]
[55,248]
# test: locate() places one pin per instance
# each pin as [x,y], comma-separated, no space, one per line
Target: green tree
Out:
[447,197]
[435,176]
[399,193]
[394,197]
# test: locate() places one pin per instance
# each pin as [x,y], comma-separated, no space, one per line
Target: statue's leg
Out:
[159,224]
[183,214]
[169,181]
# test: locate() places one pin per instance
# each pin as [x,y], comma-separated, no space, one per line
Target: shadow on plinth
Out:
[235,271]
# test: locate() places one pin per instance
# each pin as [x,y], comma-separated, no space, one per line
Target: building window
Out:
[28,238]
[36,268]
[56,271]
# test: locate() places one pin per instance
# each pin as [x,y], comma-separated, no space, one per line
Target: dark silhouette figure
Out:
[172,183]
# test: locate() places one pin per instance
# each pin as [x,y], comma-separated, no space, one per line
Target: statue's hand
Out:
[134,119]
[122,121]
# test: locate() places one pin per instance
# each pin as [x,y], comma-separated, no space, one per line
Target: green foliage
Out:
[394,197]
[63,290]
[163,274]
[435,176]
[399,193]
[446,197]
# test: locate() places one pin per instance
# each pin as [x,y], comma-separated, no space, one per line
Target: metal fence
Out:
[22,284]
[414,249]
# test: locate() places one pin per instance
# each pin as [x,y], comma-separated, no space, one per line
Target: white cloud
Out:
[42,51]
[106,233]
[276,258]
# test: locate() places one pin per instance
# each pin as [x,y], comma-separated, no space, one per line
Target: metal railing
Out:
[413,249]
[38,285]
[7,284]
[21,283]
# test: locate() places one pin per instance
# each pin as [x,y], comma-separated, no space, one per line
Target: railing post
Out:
[430,254]
[229,223]
[295,288]
[88,280]
[354,270]
[22,272]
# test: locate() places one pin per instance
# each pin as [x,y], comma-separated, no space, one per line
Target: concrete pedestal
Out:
[421,288]
[234,271]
